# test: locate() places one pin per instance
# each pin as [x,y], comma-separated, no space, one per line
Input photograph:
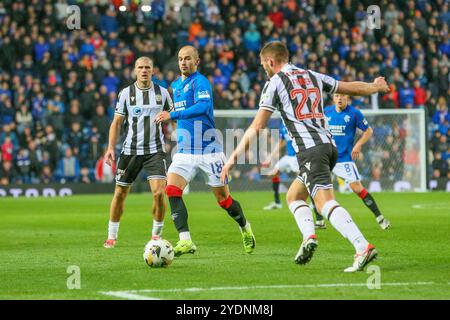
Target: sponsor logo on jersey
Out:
[203,95]
[137,111]
[180,104]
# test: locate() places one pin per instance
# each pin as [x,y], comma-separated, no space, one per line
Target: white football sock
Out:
[341,220]
[157,228]
[113,229]
[303,216]
[245,228]
[185,235]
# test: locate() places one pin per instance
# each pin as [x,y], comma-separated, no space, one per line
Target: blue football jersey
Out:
[284,134]
[193,103]
[342,126]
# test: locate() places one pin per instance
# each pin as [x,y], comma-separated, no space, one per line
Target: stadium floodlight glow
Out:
[146,8]
[123,8]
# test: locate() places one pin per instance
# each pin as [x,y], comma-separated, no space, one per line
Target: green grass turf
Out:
[41,237]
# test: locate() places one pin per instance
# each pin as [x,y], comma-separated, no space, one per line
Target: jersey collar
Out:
[149,88]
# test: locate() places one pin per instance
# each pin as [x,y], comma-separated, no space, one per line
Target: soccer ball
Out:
[158,253]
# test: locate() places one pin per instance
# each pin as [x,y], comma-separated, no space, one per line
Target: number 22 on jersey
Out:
[305,93]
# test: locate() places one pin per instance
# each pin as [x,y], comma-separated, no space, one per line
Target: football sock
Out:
[185,235]
[113,229]
[303,216]
[369,201]
[319,217]
[341,220]
[234,210]
[157,228]
[276,189]
[178,208]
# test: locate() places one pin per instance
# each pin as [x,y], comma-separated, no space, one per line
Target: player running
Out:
[143,147]
[298,95]
[287,163]
[198,148]
[342,122]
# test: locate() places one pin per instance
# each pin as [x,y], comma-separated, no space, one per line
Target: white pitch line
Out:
[133,294]
[127,295]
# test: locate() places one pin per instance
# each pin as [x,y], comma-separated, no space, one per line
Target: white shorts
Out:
[187,165]
[287,164]
[347,171]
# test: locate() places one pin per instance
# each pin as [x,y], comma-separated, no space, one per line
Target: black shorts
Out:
[315,165]
[129,166]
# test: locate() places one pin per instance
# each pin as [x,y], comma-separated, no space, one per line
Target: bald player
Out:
[143,147]
[198,149]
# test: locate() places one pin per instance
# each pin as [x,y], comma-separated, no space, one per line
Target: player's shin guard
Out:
[303,216]
[369,201]
[178,208]
[341,220]
[234,210]
[276,188]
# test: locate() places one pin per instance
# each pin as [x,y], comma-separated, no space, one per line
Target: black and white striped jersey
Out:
[140,107]
[298,95]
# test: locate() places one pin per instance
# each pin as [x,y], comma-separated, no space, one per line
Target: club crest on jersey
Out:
[137,111]
[186,88]
[347,118]
[158,98]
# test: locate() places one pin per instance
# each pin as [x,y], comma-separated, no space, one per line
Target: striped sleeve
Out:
[329,84]
[121,104]
[268,97]
[168,104]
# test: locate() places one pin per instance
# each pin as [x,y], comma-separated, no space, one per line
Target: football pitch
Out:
[47,245]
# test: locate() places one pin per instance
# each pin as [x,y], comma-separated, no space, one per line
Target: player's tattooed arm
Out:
[359,88]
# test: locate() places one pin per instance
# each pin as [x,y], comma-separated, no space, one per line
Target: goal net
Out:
[393,160]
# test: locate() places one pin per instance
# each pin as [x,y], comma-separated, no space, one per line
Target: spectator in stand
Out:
[7,149]
[68,168]
[420,95]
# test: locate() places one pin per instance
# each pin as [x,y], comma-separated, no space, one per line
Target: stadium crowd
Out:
[58,85]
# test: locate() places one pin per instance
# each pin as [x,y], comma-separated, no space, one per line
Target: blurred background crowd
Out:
[58,86]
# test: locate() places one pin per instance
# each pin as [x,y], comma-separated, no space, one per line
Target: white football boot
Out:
[363,259]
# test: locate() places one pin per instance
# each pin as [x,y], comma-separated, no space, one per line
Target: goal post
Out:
[394,159]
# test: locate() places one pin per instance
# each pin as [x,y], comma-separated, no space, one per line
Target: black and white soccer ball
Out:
[158,253]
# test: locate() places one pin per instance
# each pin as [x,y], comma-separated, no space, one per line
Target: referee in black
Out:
[143,147]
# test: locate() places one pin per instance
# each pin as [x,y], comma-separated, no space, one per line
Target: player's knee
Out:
[121,193]
[173,191]
[158,194]
[293,196]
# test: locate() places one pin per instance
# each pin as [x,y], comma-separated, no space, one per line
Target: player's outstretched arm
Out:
[114,132]
[359,88]
[260,122]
